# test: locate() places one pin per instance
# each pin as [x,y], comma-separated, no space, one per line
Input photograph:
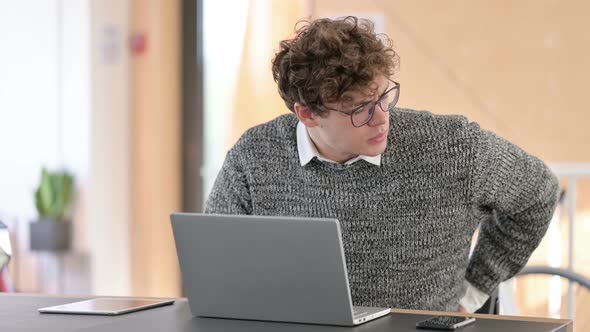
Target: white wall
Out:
[64,103]
[74,101]
[109,190]
[28,101]
[44,111]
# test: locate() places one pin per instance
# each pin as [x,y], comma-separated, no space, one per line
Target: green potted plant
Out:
[53,200]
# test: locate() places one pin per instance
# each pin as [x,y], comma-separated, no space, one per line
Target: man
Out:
[408,187]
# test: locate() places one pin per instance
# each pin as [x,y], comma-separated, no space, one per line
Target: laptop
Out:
[281,269]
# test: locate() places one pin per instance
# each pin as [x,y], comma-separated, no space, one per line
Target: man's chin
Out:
[374,151]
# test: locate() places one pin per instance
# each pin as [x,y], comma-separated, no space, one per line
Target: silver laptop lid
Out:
[263,268]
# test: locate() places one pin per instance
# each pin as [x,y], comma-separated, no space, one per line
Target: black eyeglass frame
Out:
[374,105]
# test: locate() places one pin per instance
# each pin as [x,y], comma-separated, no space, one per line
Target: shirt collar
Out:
[307,150]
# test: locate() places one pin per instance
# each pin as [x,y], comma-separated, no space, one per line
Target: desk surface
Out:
[19,313]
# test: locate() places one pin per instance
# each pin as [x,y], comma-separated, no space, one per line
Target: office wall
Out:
[155,152]
[518,68]
[44,121]
[135,178]
[78,91]
[109,207]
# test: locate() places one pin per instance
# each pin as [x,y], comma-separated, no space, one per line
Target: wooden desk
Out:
[19,313]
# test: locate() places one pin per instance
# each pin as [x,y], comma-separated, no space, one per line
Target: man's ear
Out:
[305,115]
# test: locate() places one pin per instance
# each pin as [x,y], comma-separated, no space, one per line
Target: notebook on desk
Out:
[266,268]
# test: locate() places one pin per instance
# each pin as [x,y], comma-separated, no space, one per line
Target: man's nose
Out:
[379,117]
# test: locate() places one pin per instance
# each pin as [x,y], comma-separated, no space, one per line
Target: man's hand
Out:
[461,309]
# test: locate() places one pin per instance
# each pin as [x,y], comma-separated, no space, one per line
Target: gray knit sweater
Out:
[407,224]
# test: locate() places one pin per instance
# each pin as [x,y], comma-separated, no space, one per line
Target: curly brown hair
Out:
[329,57]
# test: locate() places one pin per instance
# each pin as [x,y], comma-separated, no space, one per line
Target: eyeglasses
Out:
[361,115]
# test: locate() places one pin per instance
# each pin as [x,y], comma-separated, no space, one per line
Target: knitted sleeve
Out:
[230,193]
[516,194]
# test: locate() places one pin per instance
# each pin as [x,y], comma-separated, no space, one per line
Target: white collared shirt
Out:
[307,150]
[473,298]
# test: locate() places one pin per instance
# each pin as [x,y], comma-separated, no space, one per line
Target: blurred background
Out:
[137,102]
